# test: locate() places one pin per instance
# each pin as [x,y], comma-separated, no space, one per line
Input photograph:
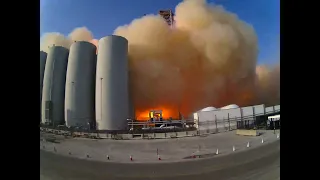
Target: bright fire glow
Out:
[143,115]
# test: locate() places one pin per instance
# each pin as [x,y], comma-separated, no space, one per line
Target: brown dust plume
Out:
[209,58]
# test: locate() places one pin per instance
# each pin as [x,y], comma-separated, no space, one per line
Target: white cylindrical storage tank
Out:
[54,81]
[112,94]
[80,85]
[231,106]
[43,59]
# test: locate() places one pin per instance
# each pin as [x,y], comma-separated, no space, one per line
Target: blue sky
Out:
[103,16]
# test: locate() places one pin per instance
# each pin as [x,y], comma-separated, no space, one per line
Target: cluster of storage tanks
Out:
[79,88]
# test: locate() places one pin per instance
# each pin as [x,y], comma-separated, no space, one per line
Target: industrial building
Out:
[211,119]
[233,116]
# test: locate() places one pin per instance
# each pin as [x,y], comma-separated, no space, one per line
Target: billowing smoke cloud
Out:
[57,39]
[78,34]
[81,34]
[268,84]
[207,59]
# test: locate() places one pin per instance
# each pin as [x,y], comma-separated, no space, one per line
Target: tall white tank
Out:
[43,58]
[112,94]
[54,81]
[80,85]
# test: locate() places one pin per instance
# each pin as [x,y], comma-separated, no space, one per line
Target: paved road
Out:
[261,163]
[144,151]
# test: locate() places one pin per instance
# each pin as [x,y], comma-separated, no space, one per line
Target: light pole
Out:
[100,99]
[73,99]
[88,126]
[50,115]
[274,127]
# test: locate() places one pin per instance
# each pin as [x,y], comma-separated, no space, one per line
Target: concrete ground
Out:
[145,151]
[259,163]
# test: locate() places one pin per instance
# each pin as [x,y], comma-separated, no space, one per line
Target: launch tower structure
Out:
[168,16]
